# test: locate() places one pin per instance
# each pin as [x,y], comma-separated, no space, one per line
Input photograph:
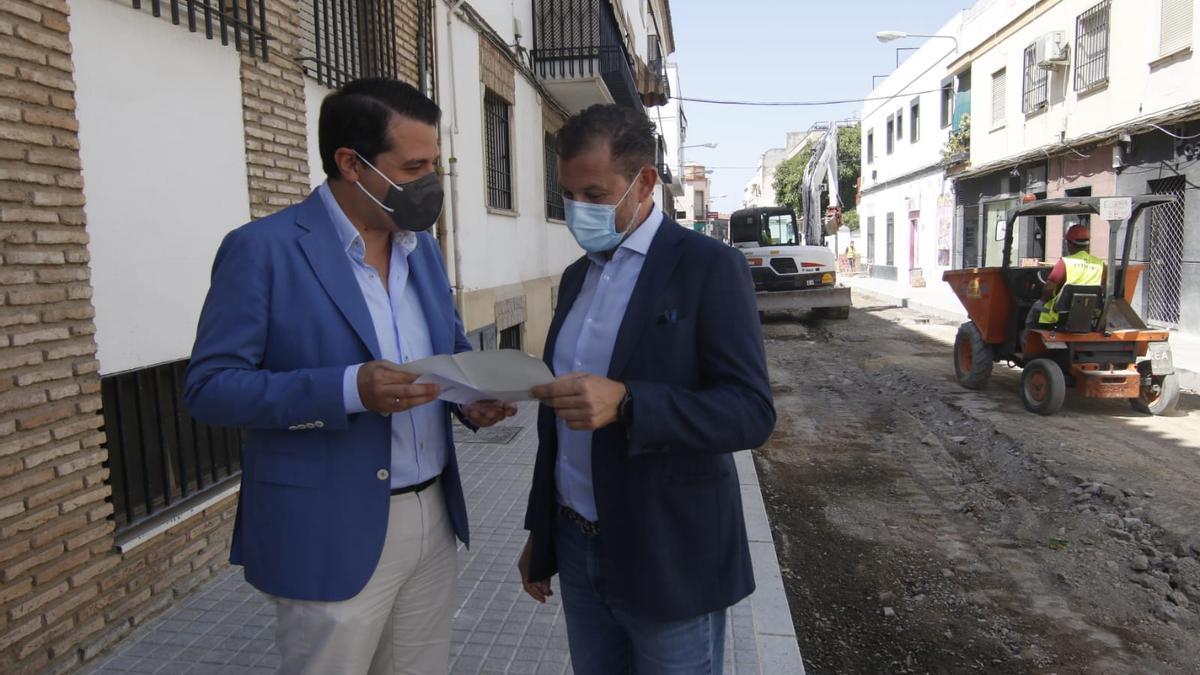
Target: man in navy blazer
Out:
[350,497]
[635,502]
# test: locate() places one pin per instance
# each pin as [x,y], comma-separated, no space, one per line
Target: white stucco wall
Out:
[497,249]
[1139,84]
[903,183]
[924,199]
[164,168]
[924,71]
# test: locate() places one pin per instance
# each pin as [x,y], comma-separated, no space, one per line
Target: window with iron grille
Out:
[870,146]
[891,134]
[1091,47]
[510,338]
[914,120]
[900,124]
[1175,26]
[1164,281]
[871,239]
[891,239]
[554,197]
[498,136]
[1036,89]
[158,456]
[343,40]
[242,22]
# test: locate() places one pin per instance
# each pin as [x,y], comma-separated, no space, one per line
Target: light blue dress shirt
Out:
[419,444]
[585,344]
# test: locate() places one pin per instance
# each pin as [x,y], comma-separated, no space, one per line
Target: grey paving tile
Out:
[228,627]
[466,665]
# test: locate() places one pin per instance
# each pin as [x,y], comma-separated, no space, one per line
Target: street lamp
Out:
[890,35]
[701,145]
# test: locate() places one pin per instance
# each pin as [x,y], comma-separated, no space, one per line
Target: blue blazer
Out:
[690,349]
[283,318]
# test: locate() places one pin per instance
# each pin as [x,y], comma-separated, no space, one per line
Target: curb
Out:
[897,301]
[774,632]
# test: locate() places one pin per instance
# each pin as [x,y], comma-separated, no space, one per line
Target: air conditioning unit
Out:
[1053,51]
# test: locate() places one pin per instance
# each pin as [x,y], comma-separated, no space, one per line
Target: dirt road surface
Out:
[924,528]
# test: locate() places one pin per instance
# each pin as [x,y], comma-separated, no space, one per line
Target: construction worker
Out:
[851,254]
[1077,268]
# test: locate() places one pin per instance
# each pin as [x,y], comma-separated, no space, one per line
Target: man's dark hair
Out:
[357,116]
[630,134]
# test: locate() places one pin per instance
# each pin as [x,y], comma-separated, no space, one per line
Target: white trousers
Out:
[400,622]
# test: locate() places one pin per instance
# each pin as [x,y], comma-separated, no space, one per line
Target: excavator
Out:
[790,273]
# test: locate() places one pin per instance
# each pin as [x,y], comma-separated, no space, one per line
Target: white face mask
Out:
[594,226]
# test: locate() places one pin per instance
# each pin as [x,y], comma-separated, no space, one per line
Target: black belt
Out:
[414,488]
[586,526]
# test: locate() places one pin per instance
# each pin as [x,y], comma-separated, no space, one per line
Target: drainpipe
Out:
[454,222]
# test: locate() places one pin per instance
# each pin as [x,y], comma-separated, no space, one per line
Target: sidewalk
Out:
[938,301]
[227,627]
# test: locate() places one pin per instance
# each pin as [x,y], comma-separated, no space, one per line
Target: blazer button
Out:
[319,424]
[382,474]
[292,428]
[310,425]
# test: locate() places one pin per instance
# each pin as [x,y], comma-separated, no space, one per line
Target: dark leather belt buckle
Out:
[419,487]
[586,526]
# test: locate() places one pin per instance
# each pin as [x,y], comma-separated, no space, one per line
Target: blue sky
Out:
[794,50]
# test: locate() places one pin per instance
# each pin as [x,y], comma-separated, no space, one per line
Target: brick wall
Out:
[53,513]
[496,71]
[274,116]
[552,119]
[408,13]
[510,312]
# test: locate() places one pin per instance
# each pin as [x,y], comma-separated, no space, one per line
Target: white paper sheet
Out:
[503,375]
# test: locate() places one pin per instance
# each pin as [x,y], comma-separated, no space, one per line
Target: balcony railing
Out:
[577,39]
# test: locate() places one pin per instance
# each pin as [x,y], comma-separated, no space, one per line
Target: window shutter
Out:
[999,87]
[1176,27]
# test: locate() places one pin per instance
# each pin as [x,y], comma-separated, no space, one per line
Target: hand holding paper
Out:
[504,375]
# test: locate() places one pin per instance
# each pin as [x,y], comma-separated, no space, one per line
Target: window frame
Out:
[1086,41]
[498,137]
[914,120]
[1165,50]
[1000,121]
[1035,83]
[555,209]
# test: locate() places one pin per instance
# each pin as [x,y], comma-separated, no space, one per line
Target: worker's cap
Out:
[1079,234]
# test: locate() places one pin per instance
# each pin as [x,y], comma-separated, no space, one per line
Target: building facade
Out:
[1082,98]
[691,208]
[906,207]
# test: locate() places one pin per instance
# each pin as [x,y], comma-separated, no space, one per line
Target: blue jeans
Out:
[607,641]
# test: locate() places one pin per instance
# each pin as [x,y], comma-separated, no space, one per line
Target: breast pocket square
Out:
[668,316]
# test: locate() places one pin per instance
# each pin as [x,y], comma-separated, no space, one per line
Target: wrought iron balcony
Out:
[579,53]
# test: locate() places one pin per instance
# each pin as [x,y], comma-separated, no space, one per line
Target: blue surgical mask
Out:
[595,225]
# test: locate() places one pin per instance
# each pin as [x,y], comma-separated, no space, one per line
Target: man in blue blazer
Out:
[635,501]
[350,498]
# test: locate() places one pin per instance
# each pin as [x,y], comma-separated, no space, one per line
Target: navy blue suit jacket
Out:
[283,319]
[690,349]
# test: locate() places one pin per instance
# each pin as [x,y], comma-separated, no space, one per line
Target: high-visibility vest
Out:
[1083,269]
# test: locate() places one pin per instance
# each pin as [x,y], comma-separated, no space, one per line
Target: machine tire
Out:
[1043,387]
[1166,400]
[973,358]
[838,313]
